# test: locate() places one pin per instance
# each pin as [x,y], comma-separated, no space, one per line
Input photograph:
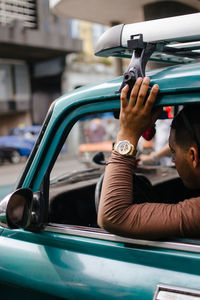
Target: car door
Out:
[72,258]
[69,262]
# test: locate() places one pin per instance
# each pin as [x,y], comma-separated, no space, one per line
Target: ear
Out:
[194,156]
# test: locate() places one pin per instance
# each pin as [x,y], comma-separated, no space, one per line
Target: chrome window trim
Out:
[97,233]
[174,289]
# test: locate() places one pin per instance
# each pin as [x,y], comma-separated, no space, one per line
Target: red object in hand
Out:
[149,133]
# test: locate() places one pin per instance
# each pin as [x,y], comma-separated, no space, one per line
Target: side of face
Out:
[184,161]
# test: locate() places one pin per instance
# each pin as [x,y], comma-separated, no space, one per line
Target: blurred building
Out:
[33,48]
[85,68]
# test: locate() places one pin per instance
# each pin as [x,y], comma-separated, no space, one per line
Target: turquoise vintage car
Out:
[50,244]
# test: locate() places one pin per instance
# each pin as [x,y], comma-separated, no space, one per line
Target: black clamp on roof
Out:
[141,54]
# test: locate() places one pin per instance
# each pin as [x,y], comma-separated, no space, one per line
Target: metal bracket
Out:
[141,54]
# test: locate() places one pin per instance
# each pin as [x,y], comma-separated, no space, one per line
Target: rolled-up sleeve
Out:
[119,214]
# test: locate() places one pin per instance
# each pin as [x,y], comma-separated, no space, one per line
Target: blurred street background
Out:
[46,50]
[11,172]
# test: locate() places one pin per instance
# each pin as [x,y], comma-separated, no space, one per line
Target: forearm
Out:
[117,211]
[154,156]
[119,215]
[165,151]
[116,195]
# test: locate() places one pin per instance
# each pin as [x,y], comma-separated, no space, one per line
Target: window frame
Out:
[100,234]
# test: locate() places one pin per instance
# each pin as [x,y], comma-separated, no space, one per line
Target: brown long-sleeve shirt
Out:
[119,214]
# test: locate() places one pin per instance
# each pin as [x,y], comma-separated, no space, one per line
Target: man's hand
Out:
[137,115]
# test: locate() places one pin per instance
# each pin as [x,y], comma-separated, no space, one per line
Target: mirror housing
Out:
[16,208]
[39,216]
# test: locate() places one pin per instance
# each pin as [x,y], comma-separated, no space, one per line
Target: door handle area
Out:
[164,292]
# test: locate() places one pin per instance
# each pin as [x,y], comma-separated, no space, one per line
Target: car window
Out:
[75,174]
[75,179]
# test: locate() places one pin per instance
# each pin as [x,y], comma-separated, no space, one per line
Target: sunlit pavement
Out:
[9,173]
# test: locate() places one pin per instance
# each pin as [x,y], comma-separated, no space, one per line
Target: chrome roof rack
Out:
[175,39]
[172,35]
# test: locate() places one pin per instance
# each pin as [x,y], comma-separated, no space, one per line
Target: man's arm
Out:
[117,212]
[154,156]
[119,215]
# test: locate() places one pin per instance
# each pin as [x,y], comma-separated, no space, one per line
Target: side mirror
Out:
[16,208]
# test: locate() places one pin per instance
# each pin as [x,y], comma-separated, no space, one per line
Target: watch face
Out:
[124,147]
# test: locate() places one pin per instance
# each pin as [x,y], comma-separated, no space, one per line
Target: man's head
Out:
[184,142]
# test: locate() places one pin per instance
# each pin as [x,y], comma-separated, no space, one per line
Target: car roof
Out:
[179,84]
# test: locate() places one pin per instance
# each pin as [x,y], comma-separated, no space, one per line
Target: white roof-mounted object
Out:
[174,37]
[181,29]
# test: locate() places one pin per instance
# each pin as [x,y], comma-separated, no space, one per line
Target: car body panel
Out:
[87,263]
[74,267]
[170,80]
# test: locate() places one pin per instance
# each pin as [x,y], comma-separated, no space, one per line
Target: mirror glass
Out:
[16,207]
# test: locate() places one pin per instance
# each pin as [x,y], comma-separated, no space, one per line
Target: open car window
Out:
[81,164]
[75,173]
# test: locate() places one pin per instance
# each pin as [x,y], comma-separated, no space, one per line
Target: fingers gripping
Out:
[152,98]
[137,114]
[138,95]
[135,91]
[124,93]
[144,86]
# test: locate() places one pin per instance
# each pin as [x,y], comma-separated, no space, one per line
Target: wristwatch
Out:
[124,148]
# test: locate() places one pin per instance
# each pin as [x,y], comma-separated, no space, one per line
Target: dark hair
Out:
[187,127]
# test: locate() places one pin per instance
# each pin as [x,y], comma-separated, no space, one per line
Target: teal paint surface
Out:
[74,267]
[60,266]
